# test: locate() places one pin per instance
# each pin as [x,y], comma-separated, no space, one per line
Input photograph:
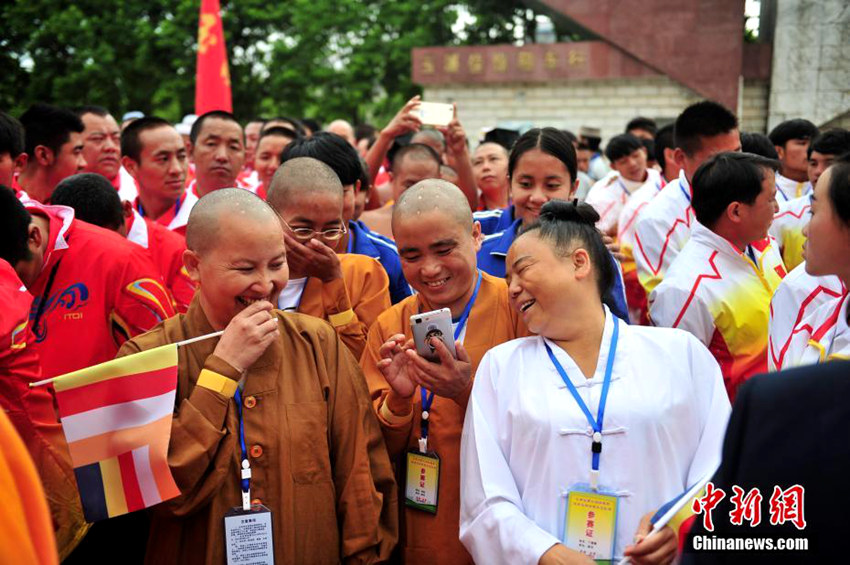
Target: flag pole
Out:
[178,344]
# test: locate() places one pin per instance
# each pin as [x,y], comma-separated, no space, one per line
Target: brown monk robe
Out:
[437,241]
[315,449]
[350,304]
[349,291]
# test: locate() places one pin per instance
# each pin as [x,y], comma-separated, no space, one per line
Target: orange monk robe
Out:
[350,305]
[317,459]
[26,532]
[427,538]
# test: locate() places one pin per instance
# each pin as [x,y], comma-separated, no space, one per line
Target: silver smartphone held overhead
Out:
[436,113]
[436,324]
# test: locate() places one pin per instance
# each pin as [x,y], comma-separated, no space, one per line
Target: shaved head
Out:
[342,129]
[433,195]
[302,176]
[202,231]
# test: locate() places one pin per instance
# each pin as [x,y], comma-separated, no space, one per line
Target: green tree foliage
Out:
[317,58]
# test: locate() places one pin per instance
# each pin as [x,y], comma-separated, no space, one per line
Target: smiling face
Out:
[828,239]
[246,263]
[438,258]
[538,178]
[218,154]
[542,285]
[101,145]
[318,211]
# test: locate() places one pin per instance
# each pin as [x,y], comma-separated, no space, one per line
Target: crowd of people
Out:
[606,303]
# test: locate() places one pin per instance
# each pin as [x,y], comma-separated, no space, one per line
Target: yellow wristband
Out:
[341,319]
[218,383]
[394,419]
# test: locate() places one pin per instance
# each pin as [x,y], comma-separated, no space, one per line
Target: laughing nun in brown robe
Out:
[317,457]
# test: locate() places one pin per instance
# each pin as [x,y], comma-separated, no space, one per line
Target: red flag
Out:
[212,82]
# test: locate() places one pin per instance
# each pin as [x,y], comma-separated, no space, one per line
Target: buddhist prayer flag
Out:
[117,421]
[212,81]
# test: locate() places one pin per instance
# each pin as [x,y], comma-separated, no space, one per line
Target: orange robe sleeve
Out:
[351,305]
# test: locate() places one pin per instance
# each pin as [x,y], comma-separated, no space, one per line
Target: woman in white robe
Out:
[526,441]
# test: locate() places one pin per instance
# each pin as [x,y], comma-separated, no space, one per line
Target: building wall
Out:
[607,104]
[811,61]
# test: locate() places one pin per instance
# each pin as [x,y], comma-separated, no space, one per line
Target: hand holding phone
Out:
[436,114]
[430,326]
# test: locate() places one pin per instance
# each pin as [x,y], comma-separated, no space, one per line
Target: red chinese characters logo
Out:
[787,506]
[706,504]
[746,507]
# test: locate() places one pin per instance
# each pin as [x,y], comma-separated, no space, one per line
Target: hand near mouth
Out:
[313,259]
[248,335]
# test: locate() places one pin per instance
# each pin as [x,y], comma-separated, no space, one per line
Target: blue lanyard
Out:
[623,187]
[596,446]
[428,397]
[752,254]
[685,192]
[245,464]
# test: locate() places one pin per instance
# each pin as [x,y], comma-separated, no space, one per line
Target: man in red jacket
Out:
[94,201]
[93,289]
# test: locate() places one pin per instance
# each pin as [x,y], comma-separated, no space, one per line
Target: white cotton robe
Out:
[526,441]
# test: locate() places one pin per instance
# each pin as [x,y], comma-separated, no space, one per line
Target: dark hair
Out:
[703,119]
[649,145]
[725,178]
[571,136]
[663,140]
[49,126]
[218,114]
[792,129]
[93,199]
[91,109]
[365,178]
[550,141]
[419,151]
[564,224]
[297,127]
[834,141]
[839,188]
[311,124]
[131,144]
[365,131]
[645,124]
[330,149]
[279,131]
[14,228]
[11,136]
[758,144]
[582,147]
[621,146]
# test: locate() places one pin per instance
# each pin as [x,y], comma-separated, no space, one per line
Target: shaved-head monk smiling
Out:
[437,240]
[312,445]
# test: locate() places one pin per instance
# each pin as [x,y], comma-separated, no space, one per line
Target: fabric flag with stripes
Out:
[117,421]
[679,513]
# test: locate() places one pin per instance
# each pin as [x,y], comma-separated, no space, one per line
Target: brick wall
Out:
[607,104]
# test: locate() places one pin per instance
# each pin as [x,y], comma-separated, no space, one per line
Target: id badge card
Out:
[423,480]
[590,526]
[248,536]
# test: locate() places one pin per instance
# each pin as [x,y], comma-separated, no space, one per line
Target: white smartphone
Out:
[435,113]
[436,324]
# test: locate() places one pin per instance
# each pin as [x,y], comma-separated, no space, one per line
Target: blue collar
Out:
[358,240]
[503,242]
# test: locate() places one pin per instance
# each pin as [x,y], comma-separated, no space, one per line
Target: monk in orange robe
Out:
[349,291]
[437,241]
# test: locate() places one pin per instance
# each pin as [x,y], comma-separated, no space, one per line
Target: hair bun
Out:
[564,211]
